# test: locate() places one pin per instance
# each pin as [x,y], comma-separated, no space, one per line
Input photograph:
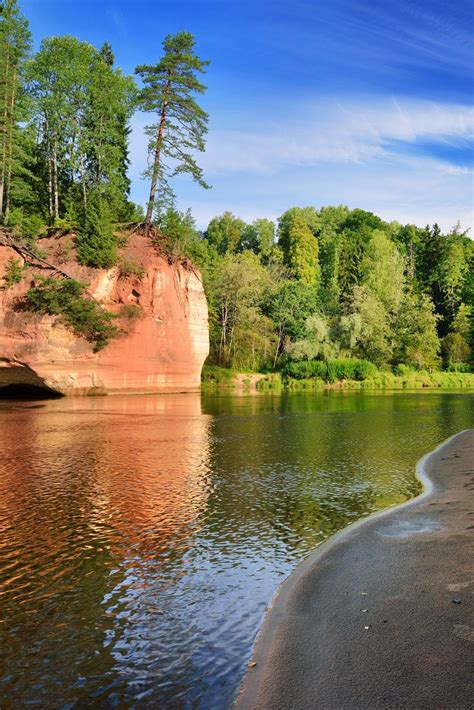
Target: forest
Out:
[321,292]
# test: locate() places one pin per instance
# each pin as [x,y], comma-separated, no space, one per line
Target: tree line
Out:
[317,285]
[332,283]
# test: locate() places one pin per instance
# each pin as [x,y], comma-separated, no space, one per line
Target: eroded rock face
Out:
[163,341]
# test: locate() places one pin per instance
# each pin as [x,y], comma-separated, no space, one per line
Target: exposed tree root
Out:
[8,239]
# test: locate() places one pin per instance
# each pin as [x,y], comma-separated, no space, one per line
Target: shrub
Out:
[215,376]
[131,311]
[270,382]
[330,370]
[27,226]
[13,273]
[459,367]
[131,268]
[67,300]
[402,370]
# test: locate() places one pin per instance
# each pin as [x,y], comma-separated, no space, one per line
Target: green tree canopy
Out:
[416,338]
[259,237]
[81,107]
[300,247]
[225,233]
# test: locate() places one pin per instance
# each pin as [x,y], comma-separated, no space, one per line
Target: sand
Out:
[381,615]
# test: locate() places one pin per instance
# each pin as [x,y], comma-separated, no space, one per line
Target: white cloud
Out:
[339,152]
[341,133]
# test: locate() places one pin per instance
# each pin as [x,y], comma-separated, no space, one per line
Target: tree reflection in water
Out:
[142,537]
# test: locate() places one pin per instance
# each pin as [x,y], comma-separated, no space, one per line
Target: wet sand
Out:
[380,616]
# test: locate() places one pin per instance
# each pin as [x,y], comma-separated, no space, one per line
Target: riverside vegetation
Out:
[322,296]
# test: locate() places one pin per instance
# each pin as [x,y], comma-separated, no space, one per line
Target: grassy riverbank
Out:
[219,378]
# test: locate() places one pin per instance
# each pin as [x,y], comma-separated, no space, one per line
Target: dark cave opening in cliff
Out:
[23,391]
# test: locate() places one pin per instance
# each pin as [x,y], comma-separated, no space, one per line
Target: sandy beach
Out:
[381,615]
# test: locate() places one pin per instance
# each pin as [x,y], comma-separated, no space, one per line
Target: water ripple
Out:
[142,538]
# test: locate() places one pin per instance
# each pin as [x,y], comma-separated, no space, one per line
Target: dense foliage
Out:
[333,285]
[330,370]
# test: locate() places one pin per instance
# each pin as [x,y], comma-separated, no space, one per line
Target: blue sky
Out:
[368,104]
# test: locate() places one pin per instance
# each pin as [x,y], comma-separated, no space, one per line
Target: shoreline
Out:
[221,380]
[262,687]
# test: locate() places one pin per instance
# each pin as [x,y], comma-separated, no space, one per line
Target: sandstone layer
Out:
[162,342]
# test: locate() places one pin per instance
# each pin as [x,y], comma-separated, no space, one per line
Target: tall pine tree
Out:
[181,123]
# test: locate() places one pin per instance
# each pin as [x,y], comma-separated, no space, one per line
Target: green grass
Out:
[214,377]
[330,370]
[387,380]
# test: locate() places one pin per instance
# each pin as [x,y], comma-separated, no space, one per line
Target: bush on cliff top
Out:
[66,299]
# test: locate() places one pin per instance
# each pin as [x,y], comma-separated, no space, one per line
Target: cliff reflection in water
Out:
[141,538]
[99,500]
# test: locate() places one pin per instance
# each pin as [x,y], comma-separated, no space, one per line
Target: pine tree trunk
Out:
[156,162]
[10,148]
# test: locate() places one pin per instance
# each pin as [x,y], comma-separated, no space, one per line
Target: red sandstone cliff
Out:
[161,350]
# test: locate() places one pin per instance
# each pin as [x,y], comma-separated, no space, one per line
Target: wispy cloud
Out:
[336,152]
[118,21]
[382,35]
[339,133]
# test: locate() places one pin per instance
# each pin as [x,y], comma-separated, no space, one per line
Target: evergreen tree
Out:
[107,54]
[110,106]
[168,92]
[95,243]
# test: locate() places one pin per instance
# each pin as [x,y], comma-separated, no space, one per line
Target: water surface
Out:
[141,538]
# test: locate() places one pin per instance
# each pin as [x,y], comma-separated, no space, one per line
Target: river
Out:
[141,538]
